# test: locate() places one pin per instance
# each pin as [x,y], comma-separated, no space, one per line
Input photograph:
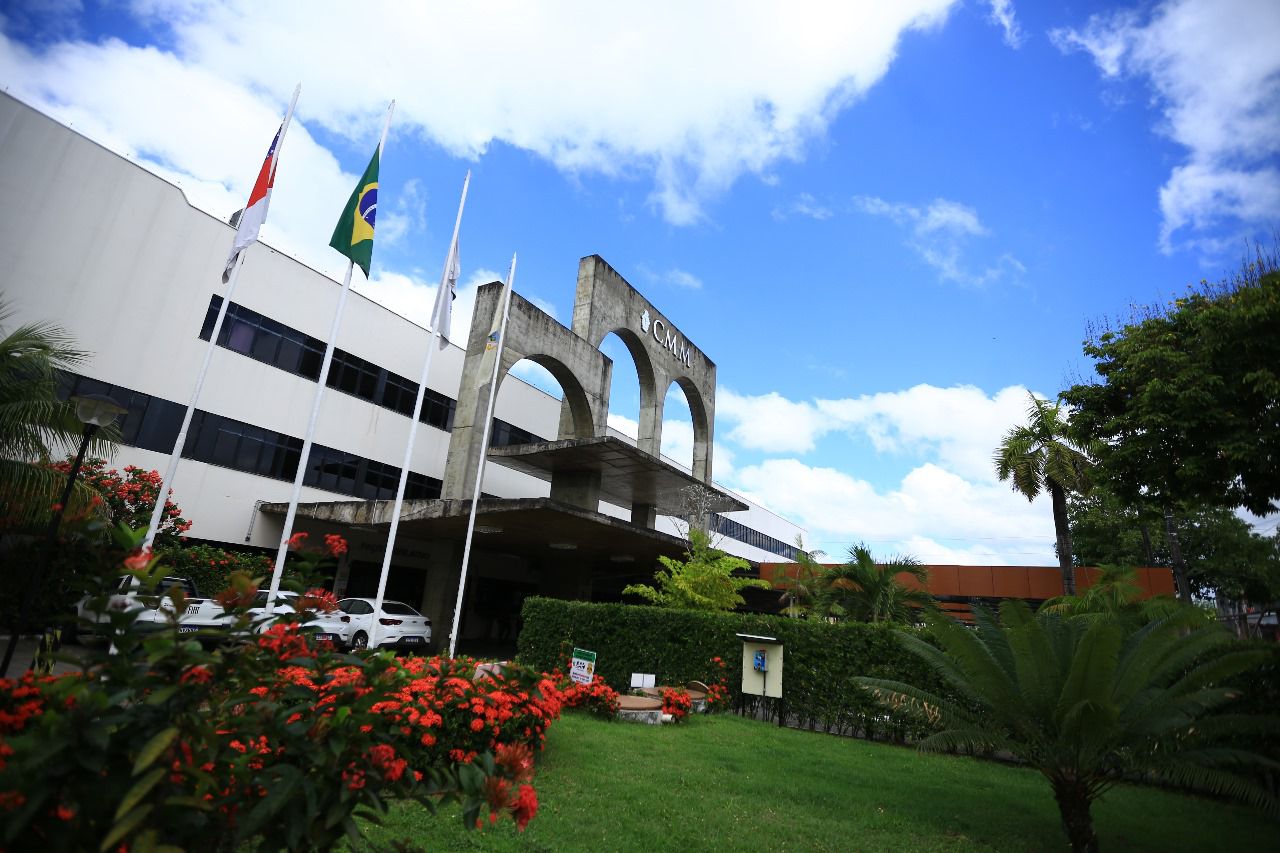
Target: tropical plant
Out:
[798,582]
[1089,704]
[703,581]
[34,424]
[861,590]
[1116,594]
[1039,456]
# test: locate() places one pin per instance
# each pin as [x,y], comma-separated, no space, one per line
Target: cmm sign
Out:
[669,340]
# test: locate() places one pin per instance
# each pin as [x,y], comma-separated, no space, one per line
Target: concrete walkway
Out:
[25,652]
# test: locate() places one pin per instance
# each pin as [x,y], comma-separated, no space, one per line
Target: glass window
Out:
[395,608]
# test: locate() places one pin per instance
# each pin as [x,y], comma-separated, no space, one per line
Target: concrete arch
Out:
[703,415]
[581,369]
[606,303]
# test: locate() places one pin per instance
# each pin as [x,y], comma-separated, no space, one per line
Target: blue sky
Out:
[886,226]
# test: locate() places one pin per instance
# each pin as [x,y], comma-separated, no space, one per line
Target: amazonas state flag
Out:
[354,235]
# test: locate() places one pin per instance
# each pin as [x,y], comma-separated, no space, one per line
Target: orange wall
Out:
[1033,582]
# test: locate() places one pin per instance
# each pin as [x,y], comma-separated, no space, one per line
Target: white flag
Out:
[442,315]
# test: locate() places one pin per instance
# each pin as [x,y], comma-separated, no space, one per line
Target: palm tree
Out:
[862,591]
[799,582]
[1089,704]
[34,424]
[1040,457]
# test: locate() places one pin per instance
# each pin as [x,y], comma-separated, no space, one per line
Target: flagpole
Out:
[171,472]
[282,552]
[415,419]
[484,446]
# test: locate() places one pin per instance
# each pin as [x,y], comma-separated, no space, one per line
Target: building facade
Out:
[117,256]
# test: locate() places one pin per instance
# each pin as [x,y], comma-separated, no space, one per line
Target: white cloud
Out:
[959,427]
[680,278]
[804,205]
[1215,74]
[414,299]
[933,514]
[1002,15]
[731,91]
[770,422]
[940,234]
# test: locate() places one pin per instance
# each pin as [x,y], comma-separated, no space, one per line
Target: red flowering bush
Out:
[718,697]
[598,698]
[676,702]
[270,744]
[129,498]
[210,568]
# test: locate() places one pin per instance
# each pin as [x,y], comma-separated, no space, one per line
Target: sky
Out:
[887,223]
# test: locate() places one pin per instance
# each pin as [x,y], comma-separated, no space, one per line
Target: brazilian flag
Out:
[354,235]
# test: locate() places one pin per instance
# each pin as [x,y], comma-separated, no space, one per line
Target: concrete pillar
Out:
[577,488]
[443,573]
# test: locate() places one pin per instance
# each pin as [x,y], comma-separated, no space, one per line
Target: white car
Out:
[398,626]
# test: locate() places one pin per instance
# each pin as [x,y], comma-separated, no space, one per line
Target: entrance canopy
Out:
[534,528]
[628,475]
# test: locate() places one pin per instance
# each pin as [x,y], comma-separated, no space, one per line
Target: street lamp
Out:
[94,411]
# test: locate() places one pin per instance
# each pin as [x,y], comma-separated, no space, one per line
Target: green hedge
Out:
[820,659]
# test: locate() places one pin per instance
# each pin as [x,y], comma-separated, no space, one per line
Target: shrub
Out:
[210,567]
[274,742]
[821,659]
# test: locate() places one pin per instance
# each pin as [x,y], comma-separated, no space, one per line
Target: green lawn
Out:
[725,783]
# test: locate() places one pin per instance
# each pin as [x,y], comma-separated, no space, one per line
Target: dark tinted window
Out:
[395,608]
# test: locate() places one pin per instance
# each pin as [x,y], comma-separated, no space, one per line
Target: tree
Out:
[1090,704]
[798,582]
[1039,456]
[1224,558]
[862,591]
[34,424]
[703,581]
[1184,405]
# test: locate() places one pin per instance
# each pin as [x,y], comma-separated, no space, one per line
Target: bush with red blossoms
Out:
[128,497]
[597,698]
[676,702]
[718,696]
[271,744]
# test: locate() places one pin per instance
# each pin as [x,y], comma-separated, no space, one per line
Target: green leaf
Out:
[138,791]
[124,827]
[151,751]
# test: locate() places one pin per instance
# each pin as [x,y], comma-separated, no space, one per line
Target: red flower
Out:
[526,806]
[138,561]
[297,540]
[335,544]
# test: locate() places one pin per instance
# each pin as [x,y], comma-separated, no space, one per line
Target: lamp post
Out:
[94,411]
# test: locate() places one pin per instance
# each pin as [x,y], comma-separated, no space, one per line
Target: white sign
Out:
[582,668]
[669,340]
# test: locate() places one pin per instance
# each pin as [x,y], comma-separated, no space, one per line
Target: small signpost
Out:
[582,668]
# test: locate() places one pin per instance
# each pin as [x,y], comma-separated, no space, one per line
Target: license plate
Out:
[412,640]
[187,629]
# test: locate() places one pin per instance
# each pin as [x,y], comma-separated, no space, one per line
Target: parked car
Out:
[153,611]
[397,626]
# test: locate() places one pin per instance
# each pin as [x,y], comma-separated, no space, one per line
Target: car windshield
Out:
[395,608]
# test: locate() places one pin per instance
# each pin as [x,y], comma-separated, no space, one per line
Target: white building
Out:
[119,258]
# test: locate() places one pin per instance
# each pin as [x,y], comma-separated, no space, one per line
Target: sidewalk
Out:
[25,652]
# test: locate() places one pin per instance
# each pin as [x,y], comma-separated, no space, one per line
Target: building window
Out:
[270,342]
[503,434]
[152,423]
[754,538]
